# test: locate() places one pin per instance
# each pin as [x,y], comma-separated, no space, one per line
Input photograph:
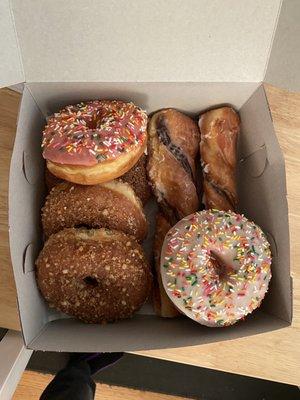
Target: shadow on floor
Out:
[178,379]
[2,333]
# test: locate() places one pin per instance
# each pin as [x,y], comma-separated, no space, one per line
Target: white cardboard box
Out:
[190,55]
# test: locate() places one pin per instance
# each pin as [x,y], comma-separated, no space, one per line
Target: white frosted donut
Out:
[216,267]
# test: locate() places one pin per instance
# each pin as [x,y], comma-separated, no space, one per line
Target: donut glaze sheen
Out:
[216,267]
[94,142]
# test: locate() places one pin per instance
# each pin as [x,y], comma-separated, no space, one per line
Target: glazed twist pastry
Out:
[173,147]
[219,132]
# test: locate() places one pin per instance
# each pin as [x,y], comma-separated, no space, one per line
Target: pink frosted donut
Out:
[94,142]
[216,267]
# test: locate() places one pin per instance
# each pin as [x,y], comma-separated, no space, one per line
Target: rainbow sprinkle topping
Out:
[216,266]
[92,132]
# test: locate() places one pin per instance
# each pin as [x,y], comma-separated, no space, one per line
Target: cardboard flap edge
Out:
[284,60]
[191,46]
[11,65]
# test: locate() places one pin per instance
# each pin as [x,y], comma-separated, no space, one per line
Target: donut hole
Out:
[81,226]
[222,269]
[92,125]
[90,281]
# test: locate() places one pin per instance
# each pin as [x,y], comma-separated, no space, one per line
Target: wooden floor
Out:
[273,355]
[9,107]
[32,385]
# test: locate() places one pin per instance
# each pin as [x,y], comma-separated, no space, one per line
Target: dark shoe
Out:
[96,361]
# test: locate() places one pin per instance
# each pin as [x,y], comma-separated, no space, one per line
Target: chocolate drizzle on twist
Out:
[172,148]
[219,133]
[223,192]
[163,136]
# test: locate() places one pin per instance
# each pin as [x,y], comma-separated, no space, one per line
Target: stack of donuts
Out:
[92,265]
[103,160]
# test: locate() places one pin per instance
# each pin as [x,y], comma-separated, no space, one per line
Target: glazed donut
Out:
[137,179]
[216,267]
[112,205]
[95,275]
[94,142]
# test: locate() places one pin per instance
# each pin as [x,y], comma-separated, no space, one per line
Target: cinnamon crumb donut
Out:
[95,275]
[51,180]
[112,205]
[137,179]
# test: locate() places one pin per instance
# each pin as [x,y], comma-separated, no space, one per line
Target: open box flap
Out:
[11,69]
[284,64]
[146,40]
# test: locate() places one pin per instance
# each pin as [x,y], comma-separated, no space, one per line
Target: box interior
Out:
[262,193]
[189,97]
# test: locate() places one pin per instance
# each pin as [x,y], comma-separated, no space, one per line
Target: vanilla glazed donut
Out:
[96,275]
[216,267]
[94,142]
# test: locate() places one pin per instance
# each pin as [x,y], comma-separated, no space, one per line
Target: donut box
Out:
[203,64]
